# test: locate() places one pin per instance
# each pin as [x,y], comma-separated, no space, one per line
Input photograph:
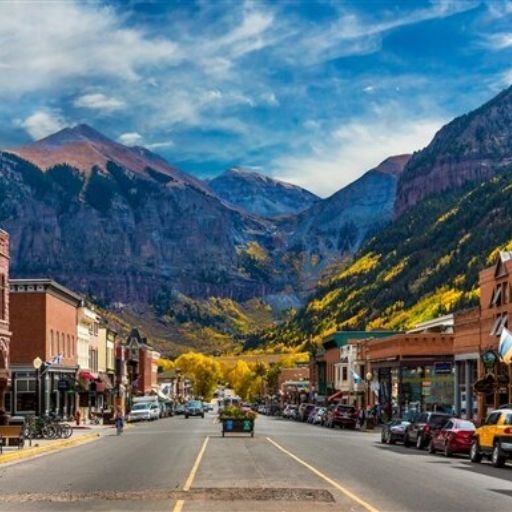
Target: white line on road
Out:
[332,482]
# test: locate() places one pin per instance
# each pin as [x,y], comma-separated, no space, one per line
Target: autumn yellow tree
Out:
[240,378]
[165,364]
[204,371]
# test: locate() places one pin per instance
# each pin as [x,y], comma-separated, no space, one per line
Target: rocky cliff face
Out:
[472,147]
[337,226]
[124,226]
[261,195]
[125,236]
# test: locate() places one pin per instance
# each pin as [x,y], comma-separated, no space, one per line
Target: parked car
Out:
[493,439]
[290,411]
[263,409]
[179,409]
[454,437]
[342,415]
[420,429]
[208,407]
[304,411]
[144,411]
[316,417]
[194,408]
[394,431]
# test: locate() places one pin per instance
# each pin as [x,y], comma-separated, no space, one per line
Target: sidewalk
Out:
[81,435]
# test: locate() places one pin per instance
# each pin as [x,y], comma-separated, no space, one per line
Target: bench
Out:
[14,432]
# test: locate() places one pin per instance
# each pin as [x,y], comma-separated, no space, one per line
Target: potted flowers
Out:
[236,420]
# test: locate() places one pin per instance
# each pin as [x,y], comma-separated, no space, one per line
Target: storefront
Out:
[50,390]
[411,372]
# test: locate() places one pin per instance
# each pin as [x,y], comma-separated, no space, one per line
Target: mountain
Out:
[124,225]
[84,148]
[259,194]
[337,226]
[472,147]
[424,264]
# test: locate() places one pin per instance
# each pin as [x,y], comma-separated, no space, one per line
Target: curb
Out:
[27,453]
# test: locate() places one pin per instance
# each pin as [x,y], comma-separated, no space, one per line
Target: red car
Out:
[454,437]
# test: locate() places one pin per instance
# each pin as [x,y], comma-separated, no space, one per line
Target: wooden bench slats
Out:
[11,432]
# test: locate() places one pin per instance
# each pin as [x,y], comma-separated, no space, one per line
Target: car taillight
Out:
[508,430]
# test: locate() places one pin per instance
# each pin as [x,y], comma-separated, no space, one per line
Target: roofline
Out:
[51,284]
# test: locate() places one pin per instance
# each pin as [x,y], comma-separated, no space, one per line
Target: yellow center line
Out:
[195,467]
[178,507]
[332,482]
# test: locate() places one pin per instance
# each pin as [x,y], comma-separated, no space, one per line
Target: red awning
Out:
[337,396]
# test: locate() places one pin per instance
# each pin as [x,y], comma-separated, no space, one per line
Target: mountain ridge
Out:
[259,194]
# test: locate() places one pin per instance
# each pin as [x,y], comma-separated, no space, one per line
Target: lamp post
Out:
[37,363]
[369,377]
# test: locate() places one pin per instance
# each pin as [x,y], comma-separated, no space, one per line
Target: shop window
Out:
[344,373]
[25,392]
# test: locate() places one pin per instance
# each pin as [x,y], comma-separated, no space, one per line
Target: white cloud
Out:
[499,41]
[351,34]
[130,138]
[44,43]
[98,101]
[160,145]
[355,147]
[42,123]
[270,99]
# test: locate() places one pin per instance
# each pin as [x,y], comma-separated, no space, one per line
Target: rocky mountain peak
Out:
[474,146]
[394,165]
[260,194]
[85,148]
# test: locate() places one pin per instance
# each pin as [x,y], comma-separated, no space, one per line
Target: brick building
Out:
[44,325]
[5,334]
[477,334]
[142,365]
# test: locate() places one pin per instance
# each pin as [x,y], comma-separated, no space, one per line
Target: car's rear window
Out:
[438,420]
[464,425]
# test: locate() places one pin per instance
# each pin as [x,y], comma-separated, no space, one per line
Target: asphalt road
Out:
[179,465]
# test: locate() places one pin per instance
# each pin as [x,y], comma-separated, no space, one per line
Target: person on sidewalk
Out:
[361,418]
[119,420]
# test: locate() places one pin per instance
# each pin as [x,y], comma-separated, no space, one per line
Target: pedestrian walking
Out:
[361,417]
[119,420]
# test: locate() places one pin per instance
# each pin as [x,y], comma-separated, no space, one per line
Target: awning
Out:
[337,396]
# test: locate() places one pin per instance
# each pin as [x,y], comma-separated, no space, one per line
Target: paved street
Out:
[185,465]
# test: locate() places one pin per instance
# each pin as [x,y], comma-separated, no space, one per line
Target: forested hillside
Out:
[425,264]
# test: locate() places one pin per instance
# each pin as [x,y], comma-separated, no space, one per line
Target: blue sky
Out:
[312,92]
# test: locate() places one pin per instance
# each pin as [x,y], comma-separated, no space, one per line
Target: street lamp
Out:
[369,377]
[37,363]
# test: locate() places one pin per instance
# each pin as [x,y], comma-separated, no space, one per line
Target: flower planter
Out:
[237,426]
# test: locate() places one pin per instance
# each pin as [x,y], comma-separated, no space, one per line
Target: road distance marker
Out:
[330,481]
